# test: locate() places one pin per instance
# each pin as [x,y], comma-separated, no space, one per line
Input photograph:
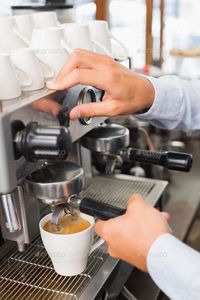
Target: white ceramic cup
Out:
[45,19]
[47,42]
[24,26]
[10,38]
[69,253]
[25,59]
[9,84]
[102,37]
[78,36]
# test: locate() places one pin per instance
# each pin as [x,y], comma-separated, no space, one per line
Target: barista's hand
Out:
[125,91]
[47,105]
[129,237]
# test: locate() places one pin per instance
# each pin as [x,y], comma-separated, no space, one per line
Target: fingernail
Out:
[51,84]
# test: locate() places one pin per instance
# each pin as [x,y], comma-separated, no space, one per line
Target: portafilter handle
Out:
[99,209]
[87,206]
[177,161]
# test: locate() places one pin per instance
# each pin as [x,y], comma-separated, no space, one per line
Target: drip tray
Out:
[30,275]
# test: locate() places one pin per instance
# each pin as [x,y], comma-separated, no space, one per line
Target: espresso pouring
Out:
[68,225]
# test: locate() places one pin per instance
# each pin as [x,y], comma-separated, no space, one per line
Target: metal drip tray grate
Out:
[117,191]
[30,275]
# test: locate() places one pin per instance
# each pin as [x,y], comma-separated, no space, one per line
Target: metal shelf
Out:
[7,106]
[43,7]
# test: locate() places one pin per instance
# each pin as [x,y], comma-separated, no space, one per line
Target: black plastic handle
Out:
[170,160]
[100,210]
[37,142]
[63,116]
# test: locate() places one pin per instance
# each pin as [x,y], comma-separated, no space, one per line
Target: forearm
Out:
[175,268]
[176,104]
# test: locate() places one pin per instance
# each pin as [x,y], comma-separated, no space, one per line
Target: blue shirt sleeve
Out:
[175,268]
[176,104]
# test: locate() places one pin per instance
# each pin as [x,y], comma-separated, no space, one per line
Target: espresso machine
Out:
[46,165]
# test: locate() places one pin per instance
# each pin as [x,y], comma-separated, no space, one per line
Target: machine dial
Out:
[37,142]
[87,95]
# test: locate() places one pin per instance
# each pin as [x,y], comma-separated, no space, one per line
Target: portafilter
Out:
[111,142]
[58,184]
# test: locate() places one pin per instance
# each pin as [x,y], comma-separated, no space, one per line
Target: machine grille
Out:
[30,275]
[116,191]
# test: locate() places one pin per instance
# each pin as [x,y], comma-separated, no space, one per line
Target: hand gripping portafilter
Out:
[58,184]
[111,142]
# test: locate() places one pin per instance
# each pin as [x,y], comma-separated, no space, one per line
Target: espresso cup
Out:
[47,43]
[69,252]
[24,26]
[10,38]
[103,38]
[9,84]
[45,19]
[78,36]
[25,60]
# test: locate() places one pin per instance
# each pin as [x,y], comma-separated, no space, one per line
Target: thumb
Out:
[100,228]
[90,110]
[166,216]
[136,201]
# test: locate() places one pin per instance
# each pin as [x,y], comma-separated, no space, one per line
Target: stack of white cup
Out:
[34,48]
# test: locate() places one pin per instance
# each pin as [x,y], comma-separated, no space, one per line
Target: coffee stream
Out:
[68,225]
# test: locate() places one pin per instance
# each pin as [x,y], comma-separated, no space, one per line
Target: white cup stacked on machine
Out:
[45,19]
[79,36]
[10,37]
[24,26]
[9,83]
[94,36]
[35,47]
[25,59]
[48,45]
[103,38]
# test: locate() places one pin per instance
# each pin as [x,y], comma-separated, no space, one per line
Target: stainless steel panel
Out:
[42,107]
[30,275]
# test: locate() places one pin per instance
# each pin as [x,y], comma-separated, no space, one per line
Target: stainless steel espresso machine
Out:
[36,134]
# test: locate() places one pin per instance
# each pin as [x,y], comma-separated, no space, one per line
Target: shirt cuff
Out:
[165,110]
[172,265]
[153,109]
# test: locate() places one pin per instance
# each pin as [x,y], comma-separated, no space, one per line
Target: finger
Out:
[92,110]
[136,198]
[47,105]
[100,229]
[82,59]
[166,216]
[78,76]
[136,203]
[112,253]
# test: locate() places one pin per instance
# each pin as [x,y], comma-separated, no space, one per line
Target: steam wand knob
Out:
[37,142]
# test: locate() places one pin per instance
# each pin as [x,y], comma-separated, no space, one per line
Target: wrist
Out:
[145,94]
